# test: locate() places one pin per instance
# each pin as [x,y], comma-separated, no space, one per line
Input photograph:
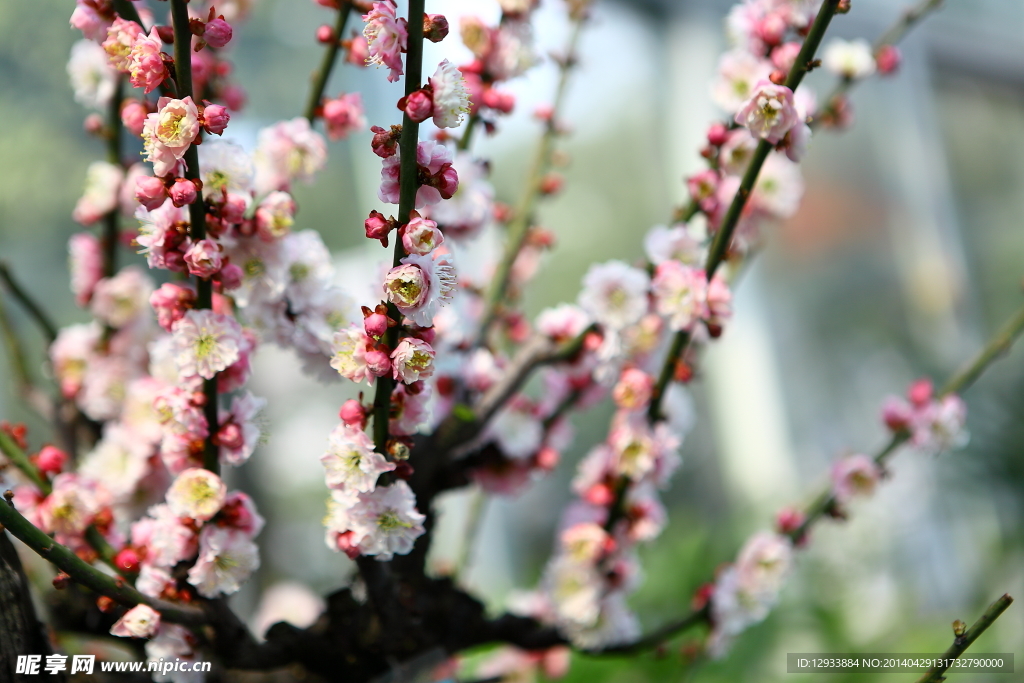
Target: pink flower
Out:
[146,67]
[719,301]
[386,37]
[287,151]
[167,539]
[412,360]
[275,215]
[150,192]
[420,286]
[215,118]
[615,294]
[419,105]
[206,343]
[344,115]
[239,434]
[386,522]
[769,113]
[87,20]
[86,264]
[196,493]
[634,389]
[738,73]
[348,354]
[121,36]
[72,505]
[421,236]
[102,186]
[204,258]
[133,116]
[169,132]
[141,621]
[239,513]
[853,476]
[562,322]
[123,298]
[435,162]
[182,192]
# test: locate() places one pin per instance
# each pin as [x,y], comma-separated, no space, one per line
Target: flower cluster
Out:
[933,423]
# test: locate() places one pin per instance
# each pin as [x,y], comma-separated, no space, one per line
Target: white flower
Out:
[225,166]
[412,360]
[120,299]
[420,286]
[92,77]
[196,493]
[451,98]
[348,354]
[141,621]
[206,343]
[119,460]
[849,59]
[680,294]
[673,244]
[351,462]
[167,539]
[518,432]
[615,294]
[101,193]
[226,559]
[738,72]
[287,151]
[386,522]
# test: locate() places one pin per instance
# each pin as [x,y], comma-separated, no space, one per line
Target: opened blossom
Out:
[197,493]
[450,96]
[412,360]
[769,113]
[344,115]
[350,462]
[102,185]
[227,558]
[854,476]
[146,67]
[680,294]
[86,265]
[386,37]
[615,294]
[168,132]
[206,343]
[141,621]
[420,286]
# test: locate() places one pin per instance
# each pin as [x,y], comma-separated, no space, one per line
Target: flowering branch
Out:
[322,75]
[519,227]
[964,639]
[997,346]
[409,184]
[64,559]
[20,460]
[197,213]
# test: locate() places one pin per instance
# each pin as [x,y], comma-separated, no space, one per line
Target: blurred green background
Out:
[907,253]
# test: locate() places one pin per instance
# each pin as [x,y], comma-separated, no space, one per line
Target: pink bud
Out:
[230,276]
[325,34]
[499,100]
[93,124]
[378,362]
[772,28]
[215,118]
[378,227]
[717,134]
[421,236]
[217,33]
[634,389]
[385,142]
[233,96]
[419,106]
[446,181]
[599,494]
[230,436]
[375,325]
[888,59]
[128,560]
[789,520]
[51,460]
[555,662]
[203,258]
[358,51]
[547,458]
[182,192]
[896,414]
[150,191]
[435,27]
[352,413]
[785,55]
[133,116]
[920,392]
[233,208]
[170,302]
[345,545]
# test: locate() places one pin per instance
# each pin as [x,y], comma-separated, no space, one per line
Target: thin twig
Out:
[115,588]
[28,303]
[962,642]
[20,460]
[323,74]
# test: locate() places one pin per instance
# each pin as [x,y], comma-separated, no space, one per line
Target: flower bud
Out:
[230,436]
[133,116]
[203,258]
[93,124]
[920,392]
[230,276]
[718,134]
[325,34]
[888,59]
[182,192]
[499,100]
[215,118]
[150,191]
[375,324]
[218,33]
[128,560]
[435,27]
[51,460]
[446,181]
[419,106]
[378,362]
[377,227]
[385,142]
[352,413]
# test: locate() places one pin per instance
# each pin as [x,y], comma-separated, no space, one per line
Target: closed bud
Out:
[215,118]
[218,33]
[325,34]
[182,192]
[435,27]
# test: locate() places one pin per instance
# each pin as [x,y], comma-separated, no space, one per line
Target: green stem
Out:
[522,219]
[322,75]
[656,637]
[34,310]
[408,175]
[115,588]
[961,643]
[20,460]
[668,371]
[196,212]
[467,135]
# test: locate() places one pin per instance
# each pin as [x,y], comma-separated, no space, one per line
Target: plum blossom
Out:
[420,286]
[350,462]
[167,539]
[197,493]
[121,299]
[385,521]
[434,160]
[680,294]
[102,185]
[146,67]
[849,59]
[204,258]
[226,559]
[451,99]
[92,77]
[225,166]
[168,132]
[615,294]
[121,35]
[239,434]
[344,115]
[287,151]
[72,504]
[141,621]
[386,37]
[86,264]
[89,21]
[421,236]
[206,343]
[738,72]
[348,354]
[275,215]
[853,476]
[769,113]
[412,360]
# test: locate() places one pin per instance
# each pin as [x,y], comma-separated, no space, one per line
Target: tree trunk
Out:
[20,631]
